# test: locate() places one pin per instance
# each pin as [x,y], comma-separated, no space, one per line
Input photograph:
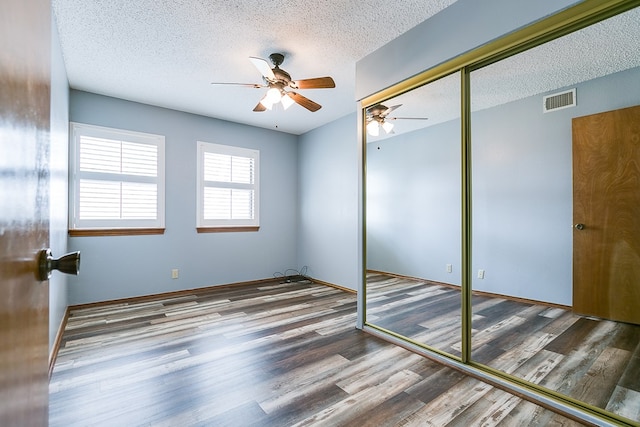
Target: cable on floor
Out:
[292,275]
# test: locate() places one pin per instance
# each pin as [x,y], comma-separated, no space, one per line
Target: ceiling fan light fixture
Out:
[273,95]
[287,101]
[388,127]
[266,102]
[373,128]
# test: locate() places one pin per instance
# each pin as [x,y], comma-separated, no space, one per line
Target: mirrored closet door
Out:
[541,288]
[555,135]
[413,215]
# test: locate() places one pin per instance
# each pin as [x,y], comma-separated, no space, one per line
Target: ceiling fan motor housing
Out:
[276,58]
[282,76]
[376,110]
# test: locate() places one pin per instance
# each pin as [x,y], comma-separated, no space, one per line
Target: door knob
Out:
[579,226]
[69,264]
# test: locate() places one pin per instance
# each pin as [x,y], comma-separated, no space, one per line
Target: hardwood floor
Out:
[593,360]
[275,354]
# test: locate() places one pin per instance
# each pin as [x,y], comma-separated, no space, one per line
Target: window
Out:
[228,188]
[117,181]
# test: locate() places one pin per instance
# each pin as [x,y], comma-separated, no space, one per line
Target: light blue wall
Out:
[523,188]
[127,266]
[328,198]
[522,195]
[459,28]
[522,200]
[413,203]
[59,177]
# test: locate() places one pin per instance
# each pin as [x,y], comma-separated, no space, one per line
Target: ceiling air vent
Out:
[558,101]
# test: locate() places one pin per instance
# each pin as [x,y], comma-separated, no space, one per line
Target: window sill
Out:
[225,229]
[116,232]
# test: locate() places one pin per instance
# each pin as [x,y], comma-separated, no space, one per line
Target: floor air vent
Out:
[558,101]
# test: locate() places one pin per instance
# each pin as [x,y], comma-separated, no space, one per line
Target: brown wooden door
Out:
[606,200]
[25,45]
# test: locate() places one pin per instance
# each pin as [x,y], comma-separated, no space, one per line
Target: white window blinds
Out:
[228,186]
[118,179]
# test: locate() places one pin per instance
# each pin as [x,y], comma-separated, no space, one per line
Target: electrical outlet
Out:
[449,268]
[174,273]
[481,274]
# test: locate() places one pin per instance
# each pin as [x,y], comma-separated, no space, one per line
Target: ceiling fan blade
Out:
[305,102]
[259,108]
[253,85]
[263,67]
[407,118]
[317,83]
[390,109]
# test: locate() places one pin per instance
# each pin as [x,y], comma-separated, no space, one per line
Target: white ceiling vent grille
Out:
[558,101]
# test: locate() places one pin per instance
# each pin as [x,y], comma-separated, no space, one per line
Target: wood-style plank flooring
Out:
[270,354]
[593,360]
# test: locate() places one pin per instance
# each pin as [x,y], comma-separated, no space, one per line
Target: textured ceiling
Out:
[604,48]
[167,52]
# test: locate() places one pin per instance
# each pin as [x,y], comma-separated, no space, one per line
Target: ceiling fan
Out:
[378,117]
[277,80]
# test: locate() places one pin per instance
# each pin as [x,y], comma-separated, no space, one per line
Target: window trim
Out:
[230,225]
[116,227]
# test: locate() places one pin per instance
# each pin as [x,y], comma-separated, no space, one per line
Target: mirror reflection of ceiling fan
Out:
[378,117]
[277,80]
